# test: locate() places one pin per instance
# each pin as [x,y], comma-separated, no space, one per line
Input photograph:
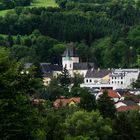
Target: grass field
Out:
[3,12]
[44,3]
[36,3]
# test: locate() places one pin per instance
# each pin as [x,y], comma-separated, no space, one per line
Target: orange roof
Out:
[64,102]
[128,108]
[75,99]
[113,94]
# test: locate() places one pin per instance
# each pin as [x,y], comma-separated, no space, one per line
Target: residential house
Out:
[66,102]
[115,96]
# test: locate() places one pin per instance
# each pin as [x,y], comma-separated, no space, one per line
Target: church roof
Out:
[83,66]
[48,68]
[70,52]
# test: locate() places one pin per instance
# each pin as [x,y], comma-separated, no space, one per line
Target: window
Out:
[112,82]
[112,77]
[70,65]
[121,77]
[65,65]
[87,80]
[121,82]
[115,77]
[90,80]
[118,82]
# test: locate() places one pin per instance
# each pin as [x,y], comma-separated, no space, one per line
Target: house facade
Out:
[110,79]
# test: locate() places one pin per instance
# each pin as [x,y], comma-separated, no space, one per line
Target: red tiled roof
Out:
[127,94]
[128,108]
[113,94]
[64,102]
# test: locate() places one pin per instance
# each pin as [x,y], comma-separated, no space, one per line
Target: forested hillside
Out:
[107,33]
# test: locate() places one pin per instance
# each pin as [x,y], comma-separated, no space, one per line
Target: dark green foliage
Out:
[64,78]
[9,4]
[87,100]
[38,70]
[87,124]
[106,106]
[18,118]
[77,80]
[123,128]
[136,84]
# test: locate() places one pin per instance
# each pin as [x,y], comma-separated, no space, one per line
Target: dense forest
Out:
[8,4]
[105,32]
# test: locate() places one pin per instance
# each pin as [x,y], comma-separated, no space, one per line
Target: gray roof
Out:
[83,66]
[48,68]
[97,73]
[129,103]
[70,52]
[28,65]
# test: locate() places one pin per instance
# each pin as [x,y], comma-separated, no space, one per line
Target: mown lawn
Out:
[36,3]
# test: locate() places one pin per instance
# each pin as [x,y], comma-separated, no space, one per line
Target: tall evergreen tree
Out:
[64,78]
[106,106]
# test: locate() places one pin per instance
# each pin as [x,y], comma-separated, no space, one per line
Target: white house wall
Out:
[119,104]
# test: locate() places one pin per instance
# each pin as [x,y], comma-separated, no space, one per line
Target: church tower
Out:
[69,57]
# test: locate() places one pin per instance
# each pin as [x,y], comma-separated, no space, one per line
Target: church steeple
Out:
[69,57]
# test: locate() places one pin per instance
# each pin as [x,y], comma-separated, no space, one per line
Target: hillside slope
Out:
[36,3]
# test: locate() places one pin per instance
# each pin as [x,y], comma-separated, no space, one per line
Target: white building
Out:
[113,79]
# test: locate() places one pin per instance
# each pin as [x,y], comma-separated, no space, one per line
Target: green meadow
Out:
[35,3]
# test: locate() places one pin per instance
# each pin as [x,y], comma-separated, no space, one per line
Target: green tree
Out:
[136,84]
[77,80]
[64,78]
[18,118]
[54,90]
[123,128]
[88,101]
[87,124]
[106,106]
